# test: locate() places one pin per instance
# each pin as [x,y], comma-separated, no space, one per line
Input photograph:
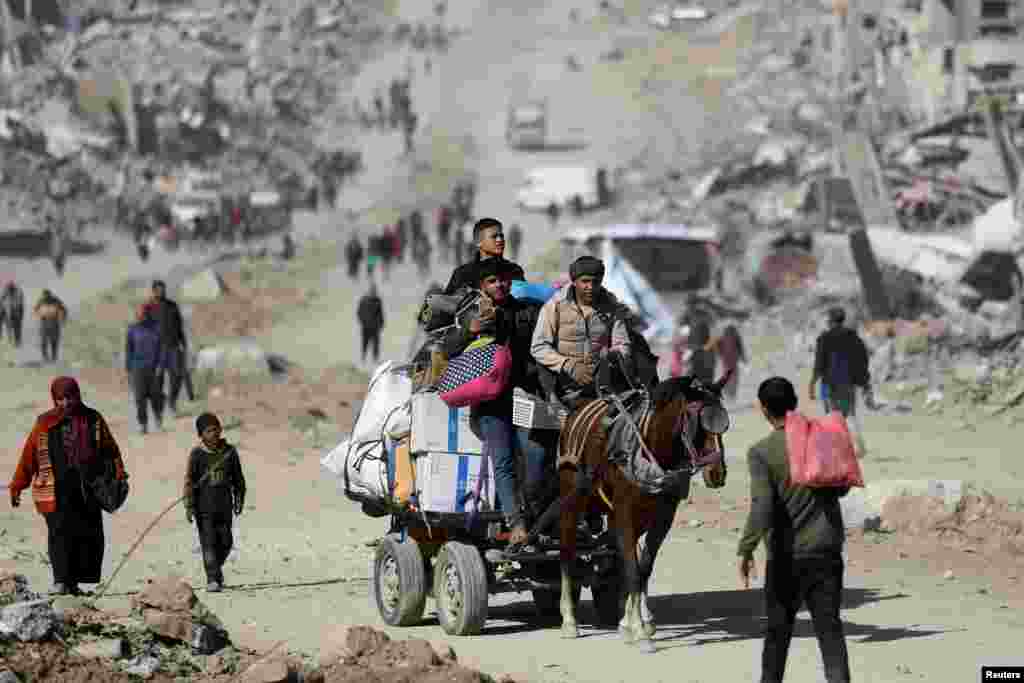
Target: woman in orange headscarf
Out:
[66,448]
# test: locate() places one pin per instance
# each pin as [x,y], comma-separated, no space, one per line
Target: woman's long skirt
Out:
[75,535]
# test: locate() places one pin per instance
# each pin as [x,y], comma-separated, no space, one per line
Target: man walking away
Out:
[371,320]
[515,238]
[52,314]
[12,310]
[841,363]
[804,535]
[732,352]
[141,362]
[173,345]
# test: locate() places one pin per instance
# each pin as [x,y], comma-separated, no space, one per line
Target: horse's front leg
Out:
[567,553]
[648,551]
[631,626]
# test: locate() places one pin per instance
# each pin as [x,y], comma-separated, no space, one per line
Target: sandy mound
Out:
[981,522]
[243,311]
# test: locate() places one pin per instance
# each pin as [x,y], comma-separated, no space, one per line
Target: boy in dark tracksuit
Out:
[214,488]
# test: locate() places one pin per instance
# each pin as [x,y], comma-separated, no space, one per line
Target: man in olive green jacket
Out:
[804,534]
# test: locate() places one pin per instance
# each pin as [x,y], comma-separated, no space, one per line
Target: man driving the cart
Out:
[581,339]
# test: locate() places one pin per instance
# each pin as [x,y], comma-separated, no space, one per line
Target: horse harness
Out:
[625,444]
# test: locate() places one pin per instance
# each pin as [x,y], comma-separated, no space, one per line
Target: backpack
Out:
[820,452]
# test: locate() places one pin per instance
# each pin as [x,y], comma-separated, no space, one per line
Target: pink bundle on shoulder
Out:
[821,451]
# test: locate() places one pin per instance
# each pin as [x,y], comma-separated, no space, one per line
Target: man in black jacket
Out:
[370,313]
[173,345]
[490,241]
[841,363]
[804,536]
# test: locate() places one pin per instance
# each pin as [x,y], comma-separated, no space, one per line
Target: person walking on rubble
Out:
[52,314]
[173,344]
[68,445]
[490,241]
[214,489]
[370,313]
[142,364]
[841,363]
[579,333]
[804,536]
[12,311]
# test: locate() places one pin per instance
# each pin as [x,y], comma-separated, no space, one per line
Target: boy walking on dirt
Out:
[804,535]
[214,489]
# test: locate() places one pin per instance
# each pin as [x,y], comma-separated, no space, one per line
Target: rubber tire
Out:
[607,602]
[412,581]
[548,601]
[472,573]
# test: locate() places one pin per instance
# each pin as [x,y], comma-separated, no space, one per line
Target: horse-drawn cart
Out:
[439,546]
[447,541]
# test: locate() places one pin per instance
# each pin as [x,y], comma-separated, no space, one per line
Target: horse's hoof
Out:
[646,645]
[570,631]
[650,628]
[627,634]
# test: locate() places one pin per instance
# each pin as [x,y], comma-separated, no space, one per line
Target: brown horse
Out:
[680,428]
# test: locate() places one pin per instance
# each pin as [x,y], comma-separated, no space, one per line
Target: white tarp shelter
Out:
[672,257]
[632,289]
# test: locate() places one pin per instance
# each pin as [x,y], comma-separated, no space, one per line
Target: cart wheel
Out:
[547,600]
[460,588]
[399,582]
[607,597]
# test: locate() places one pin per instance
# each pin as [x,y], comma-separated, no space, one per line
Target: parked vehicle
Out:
[561,185]
[527,125]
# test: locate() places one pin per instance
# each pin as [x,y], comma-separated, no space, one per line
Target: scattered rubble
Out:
[161,641]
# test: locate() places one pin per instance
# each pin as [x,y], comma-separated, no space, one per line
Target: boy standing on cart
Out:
[510,321]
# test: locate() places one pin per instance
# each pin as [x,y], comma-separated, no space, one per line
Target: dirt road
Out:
[301,560]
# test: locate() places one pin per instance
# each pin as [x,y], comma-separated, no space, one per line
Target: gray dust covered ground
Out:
[918,606]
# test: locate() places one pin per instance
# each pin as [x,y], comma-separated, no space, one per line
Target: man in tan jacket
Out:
[576,332]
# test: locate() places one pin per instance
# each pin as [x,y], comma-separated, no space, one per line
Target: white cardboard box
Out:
[444,479]
[436,427]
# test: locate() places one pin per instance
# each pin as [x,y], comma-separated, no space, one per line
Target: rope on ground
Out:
[261,658]
[138,541]
[268,585]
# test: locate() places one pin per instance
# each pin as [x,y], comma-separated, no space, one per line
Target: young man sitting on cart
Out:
[510,321]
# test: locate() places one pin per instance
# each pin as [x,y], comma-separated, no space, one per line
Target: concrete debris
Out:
[14,588]
[29,621]
[169,608]
[863,507]
[107,648]
[144,665]
[8,676]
